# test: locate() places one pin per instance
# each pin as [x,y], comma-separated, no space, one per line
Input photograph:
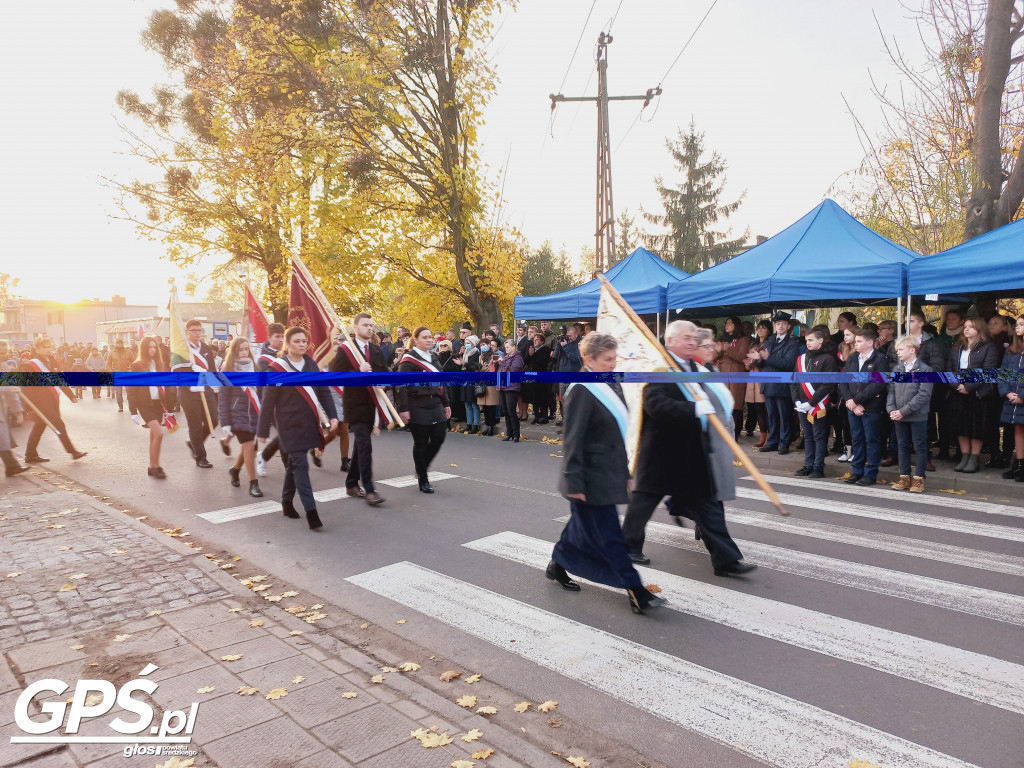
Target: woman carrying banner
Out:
[44,402]
[296,412]
[148,405]
[240,413]
[595,477]
[424,408]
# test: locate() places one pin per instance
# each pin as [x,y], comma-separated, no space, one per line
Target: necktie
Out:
[617,389]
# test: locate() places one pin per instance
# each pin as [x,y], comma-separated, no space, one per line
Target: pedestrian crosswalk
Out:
[659,678]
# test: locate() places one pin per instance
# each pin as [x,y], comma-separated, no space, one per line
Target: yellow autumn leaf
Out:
[273,598]
[295,633]
[290,593]
[14,574]
[76,576]
[157,612]
[77,647]
[226,566]
[547,706]
[400,621]
[483,754]
[121,638]
[234,610]
[64,548]
[247,690]
[364,625]
[349,695]
[298,679]
[432,740]
[117,552]
[421,733]
[388,668]
[451,674]
[231,657]
[377,679]
[93,699]
[256,623]
[409,666]
[950,490]
[653,588]
[522,706]
[295,609]
[317,607]
[68,588]
[474,678]
[579,762]
[260,587]
[257,579]
[855,763]
[207,689]
[277,693]
[461,764]
[55,527]
[473,735]
[468,701]
[487,710]
[177,762]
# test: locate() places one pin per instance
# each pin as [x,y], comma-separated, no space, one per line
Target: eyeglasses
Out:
[706,346]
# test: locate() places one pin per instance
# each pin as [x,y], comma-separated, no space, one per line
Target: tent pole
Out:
[899,316]
[657,325]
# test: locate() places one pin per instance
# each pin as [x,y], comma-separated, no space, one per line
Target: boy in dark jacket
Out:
[812,401]
[866,403]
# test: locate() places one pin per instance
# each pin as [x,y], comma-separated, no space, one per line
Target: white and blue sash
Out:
[717,393]
[607,397]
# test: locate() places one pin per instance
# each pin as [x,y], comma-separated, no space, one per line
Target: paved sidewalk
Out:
[89,592]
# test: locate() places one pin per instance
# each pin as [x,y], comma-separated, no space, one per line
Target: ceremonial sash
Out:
[284,365]
[38,364]
[381,414]
[718,394]
[419,362]
[197,358]
[809,390]
[612,402]
[254,399]
[268,359]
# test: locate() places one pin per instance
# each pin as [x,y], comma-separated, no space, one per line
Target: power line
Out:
[551,117]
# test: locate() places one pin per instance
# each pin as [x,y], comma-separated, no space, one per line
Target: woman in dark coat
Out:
[972,350]
[538,359]
[595,477]
[449,363]
[239,412]
[1013,399]
[471,364]
[424,408]
[512,362]
[293,411]
[47,401]
[147,405]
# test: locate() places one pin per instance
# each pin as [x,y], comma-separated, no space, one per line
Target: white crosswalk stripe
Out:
[890,497]
[969,527]
[406,481]
[929,550]
[765,725]
[998,606]
[972,675]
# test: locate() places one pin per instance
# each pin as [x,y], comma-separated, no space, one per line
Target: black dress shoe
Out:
[555,572]
[506,438]
[641,600]
[783,450]
[289,509]
[204,464]
[767,448]
[735,569]
[191,448]
[314,520]
[234,473]
[639,558]
[317,461]
[817,474]
[35,460]
[803,472]
[853,479]
[866,481]
[425,487]
[515,439]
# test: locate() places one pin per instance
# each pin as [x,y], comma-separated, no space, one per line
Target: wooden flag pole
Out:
[382,395]
[698,394]
[39,413]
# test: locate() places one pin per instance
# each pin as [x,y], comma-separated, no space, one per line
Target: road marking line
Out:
[895,498]
[969,527]
[328,494]
[972,675]
[513,487]
[987,603]
[929,550]
[760,723]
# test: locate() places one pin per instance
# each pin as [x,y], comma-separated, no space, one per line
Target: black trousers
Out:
[195,416]
[509,407]
[296,478]
[490,415]
[362,457]
[427,440]
[38,427]
[272,446]
[709,515]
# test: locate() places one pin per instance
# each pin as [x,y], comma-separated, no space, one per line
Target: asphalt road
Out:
[885,628]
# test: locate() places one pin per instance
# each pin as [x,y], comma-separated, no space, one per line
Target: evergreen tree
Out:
[693,210]
[545,273]
[627,240]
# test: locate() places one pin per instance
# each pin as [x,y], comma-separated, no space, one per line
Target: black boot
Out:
[289,509]
[1015,469]
[254,489]
[11,464]
[314,520]
[555,572]
[424,484]
[737,422]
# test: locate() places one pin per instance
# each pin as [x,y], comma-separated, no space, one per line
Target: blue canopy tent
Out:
[641,278]
[989,263]
[826,259]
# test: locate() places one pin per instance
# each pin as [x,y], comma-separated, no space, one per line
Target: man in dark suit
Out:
[866,404]
[682,456]
[359,405]
[779,355]
[191,398]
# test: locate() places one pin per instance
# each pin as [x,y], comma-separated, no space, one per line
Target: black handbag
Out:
[480,390]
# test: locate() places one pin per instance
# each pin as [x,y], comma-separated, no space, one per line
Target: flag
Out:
[309,309]
[180,355]
[255,318]
[638,350]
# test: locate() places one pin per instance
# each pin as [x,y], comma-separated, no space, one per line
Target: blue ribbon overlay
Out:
[273,378]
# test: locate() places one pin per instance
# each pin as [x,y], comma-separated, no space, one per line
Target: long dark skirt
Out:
[592,547]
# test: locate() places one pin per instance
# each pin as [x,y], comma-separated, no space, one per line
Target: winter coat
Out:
[424,403]
[913,398]
[358,402]
[781,358]
[871,395]
[1013,413]
[236,410]
[287,408]
[512,364]
[984,354]
[822,361]
[732,360]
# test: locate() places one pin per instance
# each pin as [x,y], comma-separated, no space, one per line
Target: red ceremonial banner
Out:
[255,317]
[308,309]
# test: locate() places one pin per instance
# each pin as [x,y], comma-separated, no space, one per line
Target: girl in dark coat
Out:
[239,409]
[424,408]
[1013,399]
[294,412]
[595,477]
[147,405]
[509,393]
[972,350]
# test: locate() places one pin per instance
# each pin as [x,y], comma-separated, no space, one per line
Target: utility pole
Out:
[605,229]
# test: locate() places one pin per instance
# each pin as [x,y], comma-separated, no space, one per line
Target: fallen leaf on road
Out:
[364,625]
[483,754]
[451,674]
[400,621]
[117,552]
[177,762]
[522,706]
[257,579]
[547,706]
[77,647]
[950,490]
[317,607]
[432,740]
[461,764]
[207,689]
[298,679]
[121,638]
[64,548]
[77,576]
[277,693]
[260,587]
[54,527]
[377,679]
[289,593]
[14,574]
[409,666]
[247,690]
[295,633]
[474,678]
[154,613]
[93,699]
[312,619]
[579,762]
[226,566]
[653,588]
[554,722]
[234,610]
[862,764]
[453,465]
[273,598]
[473,735]
[487,710]
[349,695]
[468,701]
[294,609]
[256,623]
[142,517]
[231,657]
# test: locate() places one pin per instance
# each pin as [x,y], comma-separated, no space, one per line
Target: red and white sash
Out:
[40,366]
[808,389]
[381,413]
[284,365]
[419,362]
[254,399]
[197,358]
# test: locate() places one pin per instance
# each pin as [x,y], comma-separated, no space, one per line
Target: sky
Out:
[765,82]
